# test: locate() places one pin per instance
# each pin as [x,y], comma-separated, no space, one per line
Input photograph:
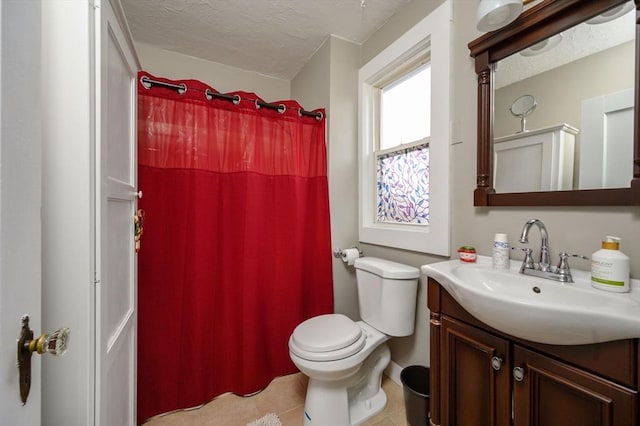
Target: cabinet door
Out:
[550,393]
[475,382]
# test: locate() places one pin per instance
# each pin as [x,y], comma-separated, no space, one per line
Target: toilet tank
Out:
[387,294]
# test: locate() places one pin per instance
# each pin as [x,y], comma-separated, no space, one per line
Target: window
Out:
[402,152]
[405,105]
[402,186]
[404,142]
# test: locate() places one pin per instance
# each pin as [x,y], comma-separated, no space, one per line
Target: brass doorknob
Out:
[55,344]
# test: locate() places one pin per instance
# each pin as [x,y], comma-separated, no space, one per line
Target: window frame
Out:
[432,34]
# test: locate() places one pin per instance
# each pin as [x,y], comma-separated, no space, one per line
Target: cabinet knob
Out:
[496,363]
[518,374]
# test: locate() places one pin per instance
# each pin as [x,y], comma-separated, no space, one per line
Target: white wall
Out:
[223,78]
[329,80]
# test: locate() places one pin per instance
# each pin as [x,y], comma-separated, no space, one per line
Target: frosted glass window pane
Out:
[405,109]
[403,186]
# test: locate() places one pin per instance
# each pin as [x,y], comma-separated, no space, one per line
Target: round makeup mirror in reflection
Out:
[522,107]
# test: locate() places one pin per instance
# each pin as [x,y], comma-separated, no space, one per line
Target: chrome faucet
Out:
[560,273]
[544,264]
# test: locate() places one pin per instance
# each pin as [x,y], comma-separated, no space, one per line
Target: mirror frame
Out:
[534,25]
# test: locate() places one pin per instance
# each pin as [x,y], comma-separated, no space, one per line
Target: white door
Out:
[607,141]
[95,381]
[116,295]
[20,190]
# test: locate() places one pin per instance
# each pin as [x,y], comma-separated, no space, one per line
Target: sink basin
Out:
[538,309]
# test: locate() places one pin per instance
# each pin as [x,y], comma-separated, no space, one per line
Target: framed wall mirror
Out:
[574,65]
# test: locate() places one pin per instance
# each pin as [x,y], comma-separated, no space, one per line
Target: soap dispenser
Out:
[610,267]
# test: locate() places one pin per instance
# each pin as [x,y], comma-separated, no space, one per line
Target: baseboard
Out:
[393,372]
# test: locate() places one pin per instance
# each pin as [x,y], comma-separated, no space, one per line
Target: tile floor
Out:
[284,396]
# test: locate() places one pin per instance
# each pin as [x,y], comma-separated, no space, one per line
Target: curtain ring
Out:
[320,116]
[144,80]
[208,94]
[257,104]
[237,100]
[282,108]
[182,89]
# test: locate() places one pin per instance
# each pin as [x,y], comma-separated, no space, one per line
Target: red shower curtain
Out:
[236,245]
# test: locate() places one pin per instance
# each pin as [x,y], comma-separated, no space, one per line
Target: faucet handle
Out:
[563,264]
[527,263]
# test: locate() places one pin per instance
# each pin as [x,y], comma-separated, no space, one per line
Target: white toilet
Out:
[345,359]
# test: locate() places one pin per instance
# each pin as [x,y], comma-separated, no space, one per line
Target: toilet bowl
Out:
[345,359]
[339,363]
[344,390]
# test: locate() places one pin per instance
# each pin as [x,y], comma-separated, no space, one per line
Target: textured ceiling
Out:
[577,42]
[271,37]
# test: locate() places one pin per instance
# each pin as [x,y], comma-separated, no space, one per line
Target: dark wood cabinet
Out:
[475,367]
[552,393]
[482,377]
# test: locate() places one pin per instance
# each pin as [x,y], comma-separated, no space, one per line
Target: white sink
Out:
[538,309]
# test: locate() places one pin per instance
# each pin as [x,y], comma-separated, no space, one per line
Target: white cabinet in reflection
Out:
[536,160]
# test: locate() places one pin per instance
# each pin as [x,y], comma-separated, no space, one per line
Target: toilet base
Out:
[361,411]
[351,401]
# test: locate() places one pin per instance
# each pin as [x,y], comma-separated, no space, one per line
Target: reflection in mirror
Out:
[581,135]
[522,107]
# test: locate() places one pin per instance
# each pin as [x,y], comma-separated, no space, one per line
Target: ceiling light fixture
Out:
[543,46]
[495,14]
[611,14]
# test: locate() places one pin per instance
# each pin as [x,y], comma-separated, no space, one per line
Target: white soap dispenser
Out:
[610,267]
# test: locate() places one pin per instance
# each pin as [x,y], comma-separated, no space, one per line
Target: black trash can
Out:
[415,387]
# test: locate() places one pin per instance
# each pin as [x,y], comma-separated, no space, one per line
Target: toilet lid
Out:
[327,333]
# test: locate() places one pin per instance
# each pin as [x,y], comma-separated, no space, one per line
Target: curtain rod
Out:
[209,94]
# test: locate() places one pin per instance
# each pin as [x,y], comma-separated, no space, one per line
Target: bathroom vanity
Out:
[481,376]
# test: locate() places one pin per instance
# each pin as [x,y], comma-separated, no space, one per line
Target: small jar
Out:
[467,254]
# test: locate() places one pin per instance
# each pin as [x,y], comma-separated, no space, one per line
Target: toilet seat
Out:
[327,338]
